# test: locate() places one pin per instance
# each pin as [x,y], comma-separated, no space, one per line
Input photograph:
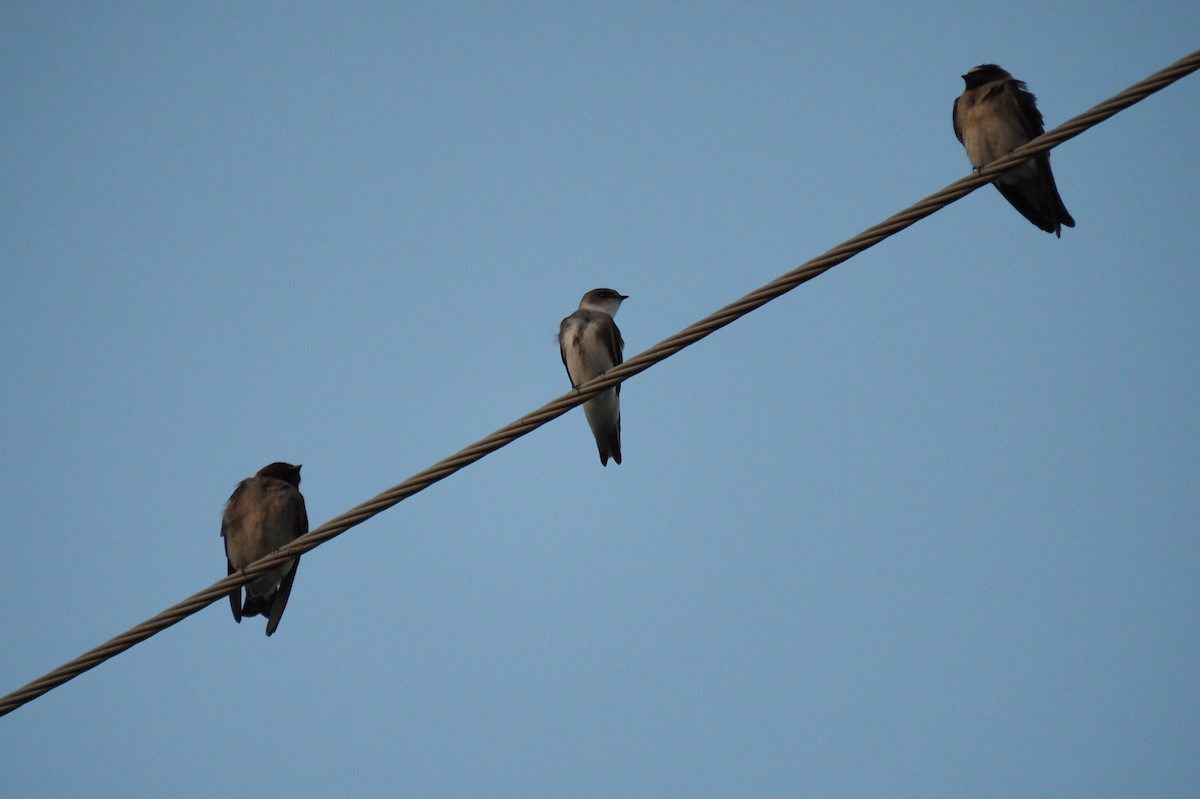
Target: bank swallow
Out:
[591,344]
[265,512]
[993,116]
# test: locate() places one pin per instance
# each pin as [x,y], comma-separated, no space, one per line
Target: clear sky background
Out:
[928,526]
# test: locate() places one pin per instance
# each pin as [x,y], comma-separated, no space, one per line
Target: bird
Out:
[993,116]
[264,512]
[590,344]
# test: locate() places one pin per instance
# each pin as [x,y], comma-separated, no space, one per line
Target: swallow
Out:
[590,345]
[995,115]
[264,512]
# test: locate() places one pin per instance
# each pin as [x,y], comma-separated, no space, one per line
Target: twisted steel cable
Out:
[639,363]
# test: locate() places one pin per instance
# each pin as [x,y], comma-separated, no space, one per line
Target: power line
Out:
[635,365]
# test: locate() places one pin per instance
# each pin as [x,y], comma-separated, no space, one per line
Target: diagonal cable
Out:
[635,365]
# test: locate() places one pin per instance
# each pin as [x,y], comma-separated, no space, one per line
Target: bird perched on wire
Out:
[995,115]
[591,344]
[264,512]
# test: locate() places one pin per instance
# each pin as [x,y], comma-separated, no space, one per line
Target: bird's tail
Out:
[258,605]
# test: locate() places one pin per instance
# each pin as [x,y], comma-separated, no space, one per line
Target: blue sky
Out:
[925,527]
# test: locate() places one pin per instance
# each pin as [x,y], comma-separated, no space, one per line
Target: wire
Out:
[635,365]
